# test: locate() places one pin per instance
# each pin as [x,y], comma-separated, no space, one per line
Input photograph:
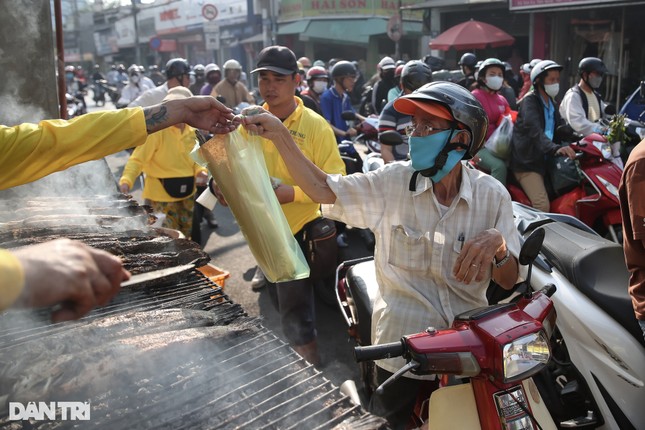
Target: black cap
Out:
[278,59]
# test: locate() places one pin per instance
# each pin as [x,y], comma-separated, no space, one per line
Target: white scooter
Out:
[596,378]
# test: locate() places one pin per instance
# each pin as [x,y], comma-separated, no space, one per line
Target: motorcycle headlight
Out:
[525,356]
[604,148]
[609,186]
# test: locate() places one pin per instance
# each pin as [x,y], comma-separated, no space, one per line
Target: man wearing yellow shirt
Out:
[171,174]
[64,271]
[278,79]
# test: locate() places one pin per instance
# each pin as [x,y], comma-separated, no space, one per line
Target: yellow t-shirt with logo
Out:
[316,140]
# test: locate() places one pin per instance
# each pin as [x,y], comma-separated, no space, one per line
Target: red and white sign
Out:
[209,11]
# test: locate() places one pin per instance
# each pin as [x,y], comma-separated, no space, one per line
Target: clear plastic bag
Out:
[237,164]
[499,143]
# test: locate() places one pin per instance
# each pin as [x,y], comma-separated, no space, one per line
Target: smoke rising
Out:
[27,62]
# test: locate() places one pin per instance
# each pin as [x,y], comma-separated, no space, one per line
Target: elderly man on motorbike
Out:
[443,230]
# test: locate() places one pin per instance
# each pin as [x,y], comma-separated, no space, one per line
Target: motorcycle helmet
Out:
[306,62]
[488,63]
[533,62]
[592,64]
[468,59]
[133,69]
[343,69]
[199,69]
[211,67]
[541,69]
[415,74]
[232,65]
[316,72]
[386,63]
[452,102]
[319,63]
[177,67]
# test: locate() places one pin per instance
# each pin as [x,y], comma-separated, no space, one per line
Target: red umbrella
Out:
[471,35]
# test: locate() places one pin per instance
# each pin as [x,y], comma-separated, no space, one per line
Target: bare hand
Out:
[202,112]
[201,179]
[71,274]
[218,193]
[566,151]
[125,188]
[260,122]
[351,132]
[285,193]
[476,256]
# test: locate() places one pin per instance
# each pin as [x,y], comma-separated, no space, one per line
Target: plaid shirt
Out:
[416,247]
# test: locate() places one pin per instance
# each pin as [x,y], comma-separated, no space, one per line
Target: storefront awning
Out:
[295,27]
[346,30]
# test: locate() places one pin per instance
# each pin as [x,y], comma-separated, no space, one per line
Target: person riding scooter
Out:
[414,75]
[533,133]
[582,106]
[443,230]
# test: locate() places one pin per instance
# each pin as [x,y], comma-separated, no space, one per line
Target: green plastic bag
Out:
[237,164]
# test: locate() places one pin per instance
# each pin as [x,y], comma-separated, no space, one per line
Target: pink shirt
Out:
[494,105]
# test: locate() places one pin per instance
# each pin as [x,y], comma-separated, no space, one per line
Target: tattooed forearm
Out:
[155,116]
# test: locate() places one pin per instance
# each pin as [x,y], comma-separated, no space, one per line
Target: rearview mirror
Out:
[390,138]
[531,247]
[610,109]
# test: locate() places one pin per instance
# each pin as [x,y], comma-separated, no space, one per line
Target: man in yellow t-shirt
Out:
[278,80]
[64,271]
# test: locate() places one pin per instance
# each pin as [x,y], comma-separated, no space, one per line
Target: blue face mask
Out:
[424,152]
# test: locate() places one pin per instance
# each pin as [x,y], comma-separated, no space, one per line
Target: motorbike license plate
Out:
[513,416]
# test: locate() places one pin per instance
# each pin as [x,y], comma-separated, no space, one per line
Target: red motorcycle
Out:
[592,195]
[494,350]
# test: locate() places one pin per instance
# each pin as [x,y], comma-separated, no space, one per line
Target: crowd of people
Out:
[418,205]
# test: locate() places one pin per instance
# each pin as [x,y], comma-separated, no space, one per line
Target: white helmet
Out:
[211,67]
[233,65]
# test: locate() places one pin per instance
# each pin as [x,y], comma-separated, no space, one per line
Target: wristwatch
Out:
[503,261]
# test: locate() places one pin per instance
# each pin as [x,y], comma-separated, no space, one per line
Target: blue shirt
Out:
[332,106]
[549,118]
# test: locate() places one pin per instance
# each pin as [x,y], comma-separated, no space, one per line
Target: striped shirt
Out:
[417,246]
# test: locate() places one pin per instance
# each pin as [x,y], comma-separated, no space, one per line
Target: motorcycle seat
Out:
[596,267]
[361,282]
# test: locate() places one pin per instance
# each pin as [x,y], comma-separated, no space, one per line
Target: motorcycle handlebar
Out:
[378,352]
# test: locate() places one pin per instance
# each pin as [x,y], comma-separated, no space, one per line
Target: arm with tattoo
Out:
[201,112]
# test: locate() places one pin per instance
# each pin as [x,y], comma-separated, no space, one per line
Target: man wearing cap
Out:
[277,72]
[443,230]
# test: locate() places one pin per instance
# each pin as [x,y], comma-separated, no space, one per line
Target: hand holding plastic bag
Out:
[237,164]
[499,143]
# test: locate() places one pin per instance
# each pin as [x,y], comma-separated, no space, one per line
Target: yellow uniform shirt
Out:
[166,154]
[30,152]
[316,140]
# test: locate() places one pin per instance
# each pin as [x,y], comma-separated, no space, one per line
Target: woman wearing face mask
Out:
[533,133]
[582,105]
[317,83]
[490,79]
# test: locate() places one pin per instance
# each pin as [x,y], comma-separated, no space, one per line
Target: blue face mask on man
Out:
[424,151]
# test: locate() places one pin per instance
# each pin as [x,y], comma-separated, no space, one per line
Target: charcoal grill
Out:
[217,369]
